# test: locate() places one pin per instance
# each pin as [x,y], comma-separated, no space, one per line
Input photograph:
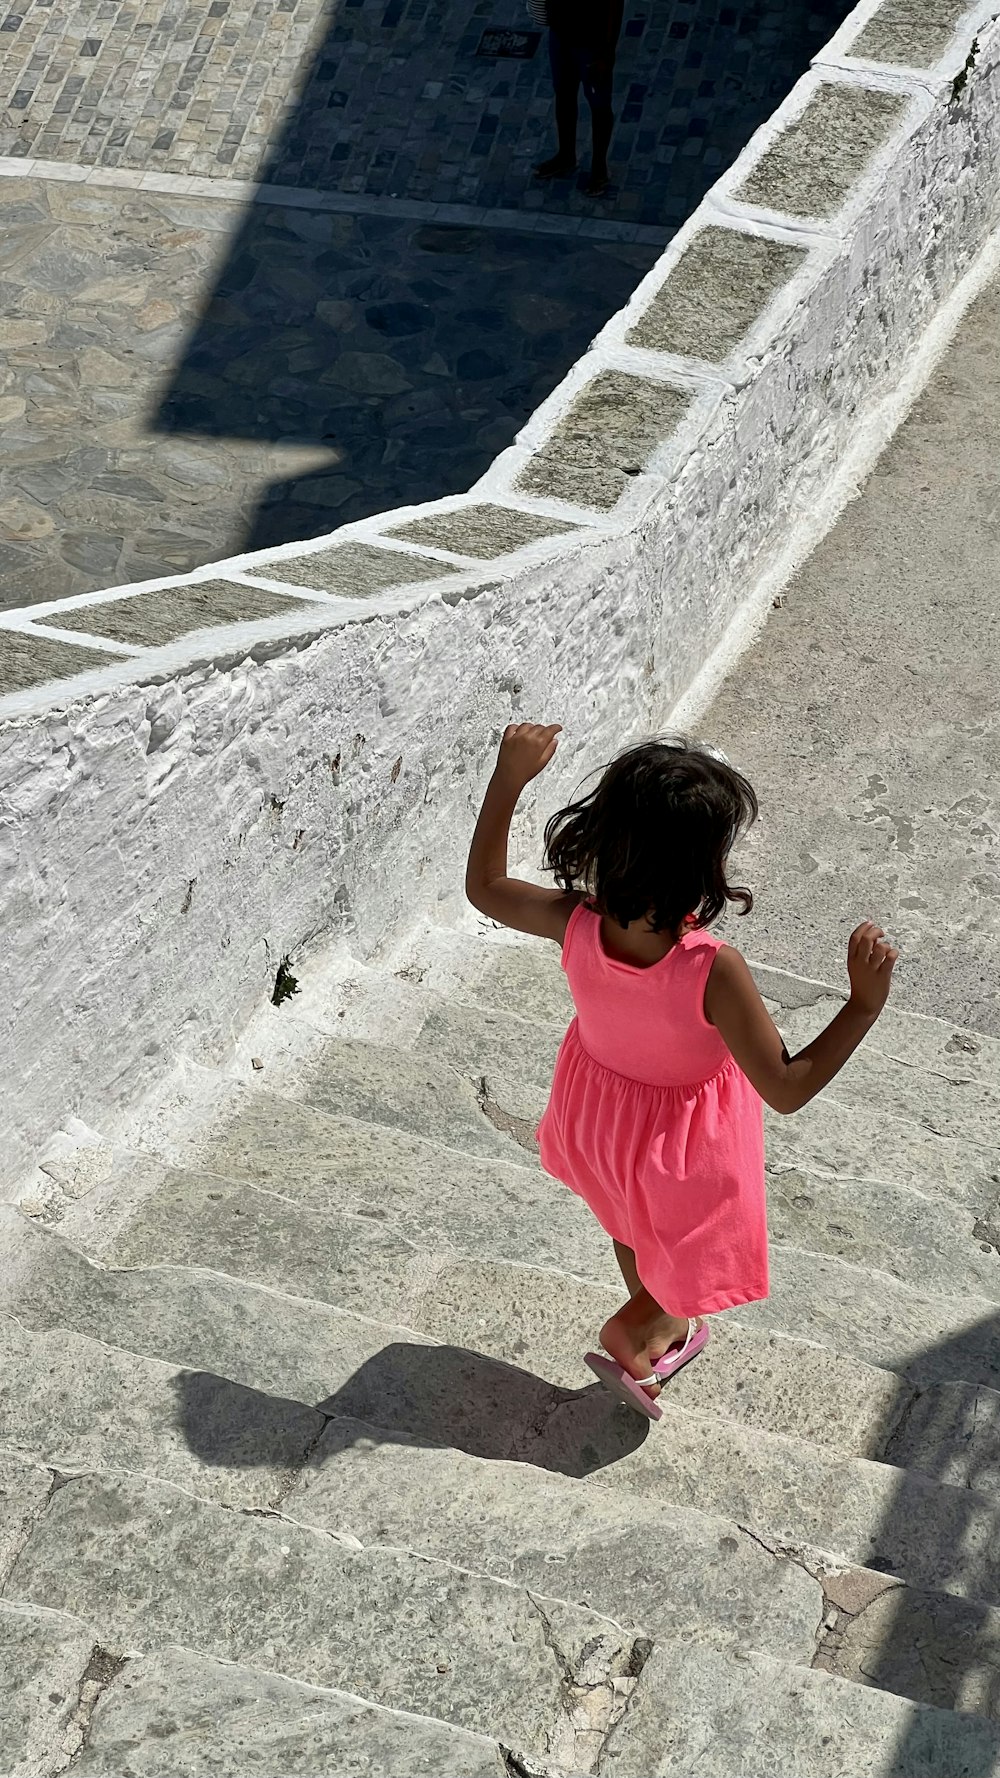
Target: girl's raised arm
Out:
[786,1083]
[525,751]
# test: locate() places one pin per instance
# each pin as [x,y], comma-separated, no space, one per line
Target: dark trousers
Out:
[588,62]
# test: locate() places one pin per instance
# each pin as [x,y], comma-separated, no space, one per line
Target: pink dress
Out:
[652,1121]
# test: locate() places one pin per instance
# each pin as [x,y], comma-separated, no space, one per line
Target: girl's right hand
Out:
[870,960]
[525,750]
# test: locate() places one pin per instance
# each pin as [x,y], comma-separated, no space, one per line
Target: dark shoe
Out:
[557,168]
[598,185]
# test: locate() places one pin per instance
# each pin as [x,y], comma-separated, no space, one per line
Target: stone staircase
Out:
[302,1472]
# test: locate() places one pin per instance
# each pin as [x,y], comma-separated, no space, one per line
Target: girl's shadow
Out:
[445,1395]
[436,1395]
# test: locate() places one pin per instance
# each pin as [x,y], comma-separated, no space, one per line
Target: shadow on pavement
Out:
[437,1395]
[410,350]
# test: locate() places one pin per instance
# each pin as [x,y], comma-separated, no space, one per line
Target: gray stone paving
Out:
[405,358]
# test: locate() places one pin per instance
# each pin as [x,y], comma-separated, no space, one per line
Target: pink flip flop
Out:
[629,1389]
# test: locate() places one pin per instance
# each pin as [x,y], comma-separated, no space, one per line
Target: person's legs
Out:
[598,80]
[564,60]
[627,1268]
[597,85]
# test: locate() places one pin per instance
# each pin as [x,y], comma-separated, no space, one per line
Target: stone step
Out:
[505,971]
[902,1110]
[451,1391]
[470,1203]
[147,1564]
[76,1404]
[218,1441]
[177,1712]
[872,1225]
[533,1521]
[936,1046]
[920,1240]
[518,1314]
[700,1712]
[418,1189]
[437,1196]
[867,1142]
[228,1349]
[515,1314]
[24,1491]
[918,1072]
[47,1660]
[523,977]
[781,1486]
[401,1089]
[880,1320]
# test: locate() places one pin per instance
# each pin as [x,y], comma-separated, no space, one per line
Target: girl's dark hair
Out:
[654,836]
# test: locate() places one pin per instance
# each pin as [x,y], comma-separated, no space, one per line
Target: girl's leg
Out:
[640,1333]
[627,1268]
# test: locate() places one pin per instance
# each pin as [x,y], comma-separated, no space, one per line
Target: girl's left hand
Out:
[526,749]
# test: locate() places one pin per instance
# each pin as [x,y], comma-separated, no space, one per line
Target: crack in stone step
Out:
[100,1672]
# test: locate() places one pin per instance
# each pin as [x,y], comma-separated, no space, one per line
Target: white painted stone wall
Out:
[163,845]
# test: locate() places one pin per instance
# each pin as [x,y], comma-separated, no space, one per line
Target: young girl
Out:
[655,1113]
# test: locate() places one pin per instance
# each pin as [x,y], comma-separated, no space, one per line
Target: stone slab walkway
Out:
[186,373]
[343,364]
[866,715]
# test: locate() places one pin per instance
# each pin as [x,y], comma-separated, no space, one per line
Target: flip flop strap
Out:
[674,1357]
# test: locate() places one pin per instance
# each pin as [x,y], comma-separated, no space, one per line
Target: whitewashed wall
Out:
[174,826]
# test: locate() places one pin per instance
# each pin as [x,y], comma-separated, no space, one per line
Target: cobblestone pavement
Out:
[390,97]
[184,377]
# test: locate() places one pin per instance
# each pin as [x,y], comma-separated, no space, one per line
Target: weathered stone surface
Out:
[608,435]
[78,1404]
[27,660]
[929,1244]
[812,166]
[520,977]
[24,1488]
[202,1219]
[878,1319]
[868,1142]
[720,286]
[914,1041]
[194,1712]
[425,1193]
[475,1040]
[403,1091]
[43,1659]
[356,570]
[951,1431]
[149,620]
[947,1099]
[866,718]
[539,1531]
[926,1646]
[487,531]
[148,1564]
[197,1322]
[701,1711]
[278,1345]
[516,1315]
[910,32]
